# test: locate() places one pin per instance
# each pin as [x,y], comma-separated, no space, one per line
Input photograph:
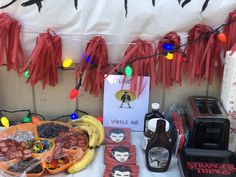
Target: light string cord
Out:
[202,36]
[66,116]
[29,113]
[23,110]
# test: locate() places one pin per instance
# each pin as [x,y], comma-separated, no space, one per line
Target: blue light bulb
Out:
[168,47]
[88,59]
[73,116]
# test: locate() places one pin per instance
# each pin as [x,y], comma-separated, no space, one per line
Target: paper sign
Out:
[122,107]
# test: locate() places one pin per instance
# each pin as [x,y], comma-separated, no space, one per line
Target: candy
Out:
[56,163]
[40,146]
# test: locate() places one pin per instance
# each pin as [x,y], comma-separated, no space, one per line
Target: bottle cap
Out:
[155,106]
[152,124]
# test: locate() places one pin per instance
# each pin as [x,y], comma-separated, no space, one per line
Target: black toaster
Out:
[208,123]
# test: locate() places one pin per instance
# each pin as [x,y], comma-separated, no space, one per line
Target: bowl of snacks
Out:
[61,159]
[46,147]
[41,147]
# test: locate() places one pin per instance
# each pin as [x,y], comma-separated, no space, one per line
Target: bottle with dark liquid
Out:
[159,149]
[154,114]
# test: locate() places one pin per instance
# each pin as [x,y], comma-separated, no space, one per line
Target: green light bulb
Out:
[128,71]
[27,120]
[26,74]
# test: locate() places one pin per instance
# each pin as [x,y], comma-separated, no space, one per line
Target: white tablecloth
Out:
[97,167]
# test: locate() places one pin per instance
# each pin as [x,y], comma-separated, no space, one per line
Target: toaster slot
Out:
[200,103]
[213,107]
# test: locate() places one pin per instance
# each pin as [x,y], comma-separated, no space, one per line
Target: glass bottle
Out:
[151,130]
[154,114]
[159,149]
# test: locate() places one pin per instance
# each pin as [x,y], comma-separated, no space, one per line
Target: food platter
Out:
[37,149]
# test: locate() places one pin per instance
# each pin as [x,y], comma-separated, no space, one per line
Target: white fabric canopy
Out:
[107,18]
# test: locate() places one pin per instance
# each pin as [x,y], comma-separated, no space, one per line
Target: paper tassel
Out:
[169,71]
[230,31]
[141,67]
[195,51]
[10,44]
[203,52]
[45,59]
[93,65]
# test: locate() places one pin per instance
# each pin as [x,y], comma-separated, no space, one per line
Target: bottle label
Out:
[146,126]
[145,142]
[158,157]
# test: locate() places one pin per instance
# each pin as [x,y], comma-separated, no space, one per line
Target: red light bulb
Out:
[183,58]
[35,120]
[100,119]
[74,93]
[221,37]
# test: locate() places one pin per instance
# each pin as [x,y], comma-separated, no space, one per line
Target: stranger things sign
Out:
[211,168]
[207,163]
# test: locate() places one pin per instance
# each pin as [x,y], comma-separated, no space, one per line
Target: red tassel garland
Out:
[141,67]
[10,43]
[195,50]
[93,65]
[169,70]
[203,52]
[45,59]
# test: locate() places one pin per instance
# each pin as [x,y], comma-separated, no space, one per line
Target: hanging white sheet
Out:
[107,18]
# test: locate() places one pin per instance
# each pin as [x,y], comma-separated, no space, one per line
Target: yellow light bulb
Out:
[67,62]
[5,122]
[169,56]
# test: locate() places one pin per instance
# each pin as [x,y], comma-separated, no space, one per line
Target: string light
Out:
[26,74]
[4,121]
[168,47]
[66,116]
[183,58]
[169,56]
[87,59]
[100,119]
[74,116]
[222,37]
[35,120]
[67,62]
[128,71]
[27,119]
[75,91]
